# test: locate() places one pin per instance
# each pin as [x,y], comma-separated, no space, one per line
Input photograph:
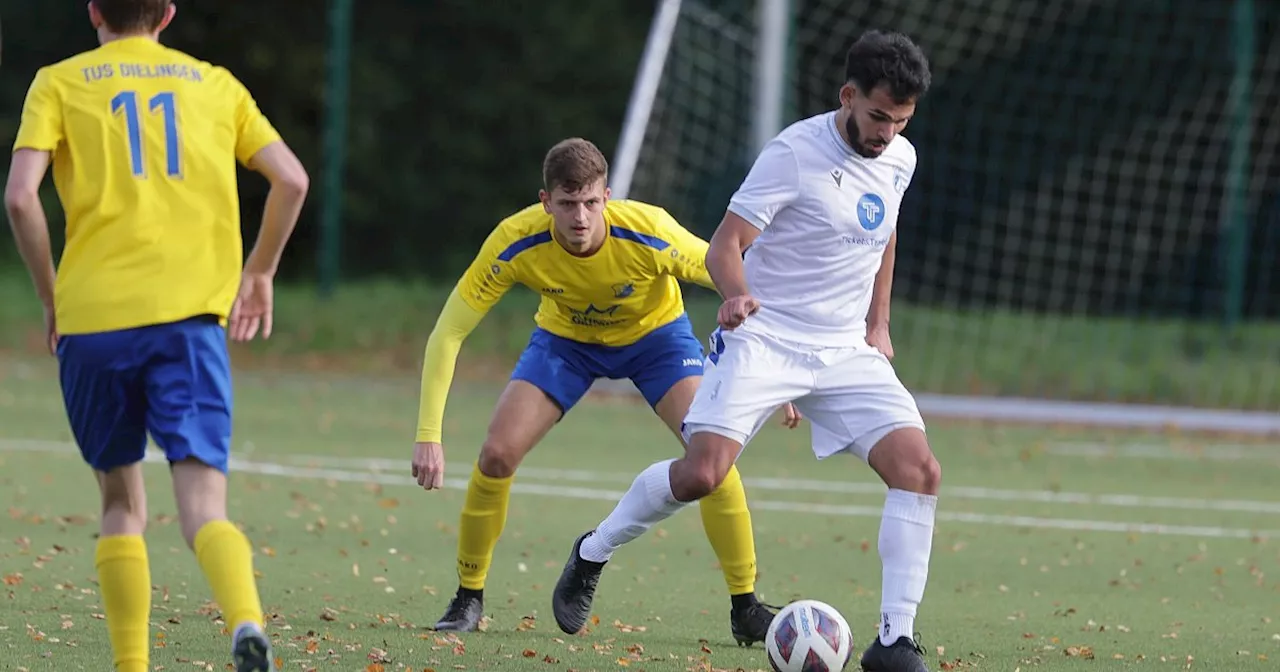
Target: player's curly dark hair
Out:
[129,16]
[891,59]
[573,164]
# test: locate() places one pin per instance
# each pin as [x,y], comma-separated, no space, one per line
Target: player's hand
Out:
[733,312]
[51,329]
[428,464]
[253,307]
[878,338]
[791,416]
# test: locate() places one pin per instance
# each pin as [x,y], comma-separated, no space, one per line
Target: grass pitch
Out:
[1054,550]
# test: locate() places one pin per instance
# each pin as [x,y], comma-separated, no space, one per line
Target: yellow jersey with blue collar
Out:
[628,288]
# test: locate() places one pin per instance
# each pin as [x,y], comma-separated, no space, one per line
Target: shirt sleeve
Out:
[686,259]
[41,125]
[772,184]
[491,273]
[253,130]
[488,278]
[457,320]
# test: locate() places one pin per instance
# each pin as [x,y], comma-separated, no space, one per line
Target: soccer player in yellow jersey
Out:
[144,142]
[608,274]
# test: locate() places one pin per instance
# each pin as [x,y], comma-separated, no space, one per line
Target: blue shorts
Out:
[172,380]
[565,369]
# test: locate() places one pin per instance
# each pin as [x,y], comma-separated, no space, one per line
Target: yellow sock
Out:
[124,579]
[728,524]
[484,514]
[226,558]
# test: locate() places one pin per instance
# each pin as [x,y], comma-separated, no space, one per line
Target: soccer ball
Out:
[808,636]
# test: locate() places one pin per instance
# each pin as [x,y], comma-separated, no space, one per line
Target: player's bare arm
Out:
[878,315]
[289,184]
[724,263]
[31,228]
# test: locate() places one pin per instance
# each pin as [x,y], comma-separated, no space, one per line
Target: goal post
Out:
[1095,218]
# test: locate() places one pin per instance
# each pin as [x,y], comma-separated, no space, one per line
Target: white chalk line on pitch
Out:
[1155,451]
[566,491]
[839,487]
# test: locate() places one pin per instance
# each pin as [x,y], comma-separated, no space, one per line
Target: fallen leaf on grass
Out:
[529,653]
[1085,652]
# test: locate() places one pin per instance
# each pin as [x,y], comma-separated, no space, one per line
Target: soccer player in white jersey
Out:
[806,319]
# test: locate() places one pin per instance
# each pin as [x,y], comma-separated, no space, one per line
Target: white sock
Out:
[906,541]
[649,501]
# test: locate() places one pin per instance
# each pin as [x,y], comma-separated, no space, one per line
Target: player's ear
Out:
[95,19]
[847,93]
[545,198]
[608,193]
[168,17]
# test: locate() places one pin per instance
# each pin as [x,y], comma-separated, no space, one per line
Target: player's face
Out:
[578,215]
[871,121]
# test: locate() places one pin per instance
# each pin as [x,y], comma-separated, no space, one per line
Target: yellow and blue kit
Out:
[617,313]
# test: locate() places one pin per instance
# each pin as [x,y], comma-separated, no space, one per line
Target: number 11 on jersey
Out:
[164,103]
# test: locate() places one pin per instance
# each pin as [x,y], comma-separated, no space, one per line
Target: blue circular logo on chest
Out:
[870,211]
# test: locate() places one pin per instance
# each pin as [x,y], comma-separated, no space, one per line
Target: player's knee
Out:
[905,462]
[693,479]
[929,474]
[499,459]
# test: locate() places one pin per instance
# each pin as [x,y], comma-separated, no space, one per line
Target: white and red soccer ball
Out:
[808,636]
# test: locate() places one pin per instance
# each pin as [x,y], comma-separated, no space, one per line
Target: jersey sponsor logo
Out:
[552,290]
[863,242]
[870,211]
[900,180]
[691,361]
[624,290]
[594,317]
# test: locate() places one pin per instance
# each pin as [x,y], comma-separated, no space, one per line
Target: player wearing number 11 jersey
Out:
[144,142]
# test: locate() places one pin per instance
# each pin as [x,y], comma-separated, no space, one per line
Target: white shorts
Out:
[851,396]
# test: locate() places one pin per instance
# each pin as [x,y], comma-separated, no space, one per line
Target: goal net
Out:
[1096,212]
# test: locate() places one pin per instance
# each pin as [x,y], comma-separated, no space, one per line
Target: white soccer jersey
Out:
[826,215]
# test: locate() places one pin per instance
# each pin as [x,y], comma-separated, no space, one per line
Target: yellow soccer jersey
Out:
[145,141]
[614,297]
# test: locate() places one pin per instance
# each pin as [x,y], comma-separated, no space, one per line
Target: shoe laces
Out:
[585,576]
[457,607]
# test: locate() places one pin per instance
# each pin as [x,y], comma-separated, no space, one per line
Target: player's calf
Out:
[223,551]
[123,567]
[903,459]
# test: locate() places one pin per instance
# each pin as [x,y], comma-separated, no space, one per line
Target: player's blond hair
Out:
[573,164]
[129,16]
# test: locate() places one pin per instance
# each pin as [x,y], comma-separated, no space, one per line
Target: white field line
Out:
[839,487]
[1155,451]
[566,491]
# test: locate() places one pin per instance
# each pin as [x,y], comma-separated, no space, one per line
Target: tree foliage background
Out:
[453,104]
